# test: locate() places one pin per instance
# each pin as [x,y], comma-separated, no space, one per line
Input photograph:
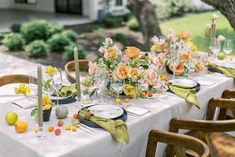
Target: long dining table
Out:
[95,142]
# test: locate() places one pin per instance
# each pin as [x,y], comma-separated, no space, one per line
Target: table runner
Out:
[80,143]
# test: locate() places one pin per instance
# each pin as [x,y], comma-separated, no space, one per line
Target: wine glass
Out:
[215,46]
[228,46]
[117,86]
[33,82]
[57,83]
[101,80]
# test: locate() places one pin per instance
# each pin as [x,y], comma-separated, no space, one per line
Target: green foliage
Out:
[55,28]
[15,27]
[127,17]
[111,20]
[68,55]
[98,29]
[100,42]
[57,42]
[35,30]
[2,35]
[121,38]
[13,41]
[71,35]
[37,48]
[133,24]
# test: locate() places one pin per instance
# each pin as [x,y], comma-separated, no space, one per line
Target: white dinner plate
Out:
[106,111]
[59,98]
[186,83]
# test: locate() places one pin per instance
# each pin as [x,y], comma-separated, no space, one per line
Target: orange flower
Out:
[132,52]
[121,72]
[134,73]
[184,35]
[111,53]
[185,57]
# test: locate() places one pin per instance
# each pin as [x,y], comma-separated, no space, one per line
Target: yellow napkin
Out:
[117,128]
[65,91]
[230,72]
[188,94]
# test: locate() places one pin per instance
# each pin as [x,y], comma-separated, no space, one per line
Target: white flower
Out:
[155,39]
[102,50]
[108,41]
[220,38]
[214,16]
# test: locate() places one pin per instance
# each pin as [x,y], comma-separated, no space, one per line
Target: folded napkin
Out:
[117,128]
[188,94]
[230,72]
[65,91]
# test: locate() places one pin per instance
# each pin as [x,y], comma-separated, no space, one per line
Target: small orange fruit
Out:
[118,101]
[143,94]
[21,126]
[74,128]
[50,128]
[68,127]
[126,100]
[57,132]
[60,123]
[150,94]
[75,116]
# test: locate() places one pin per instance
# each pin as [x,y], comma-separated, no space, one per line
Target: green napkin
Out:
[230,72]
[188,94]
[65,91]
[117,128]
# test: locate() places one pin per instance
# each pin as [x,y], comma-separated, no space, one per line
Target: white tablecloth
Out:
[80,143]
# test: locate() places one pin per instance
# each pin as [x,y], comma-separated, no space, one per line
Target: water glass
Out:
[228,46]
[117,86]
[215,47]
[57,83]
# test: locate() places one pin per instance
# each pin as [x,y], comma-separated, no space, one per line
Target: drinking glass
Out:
[33,82]
[215,47]
[117,86]
[228,46]
[57,83]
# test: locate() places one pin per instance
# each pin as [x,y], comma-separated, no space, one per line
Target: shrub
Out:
[37,48]
[13,41]
[71,35]
[121,38]
[100,42]
[55,28]
[133,24]
[15,27]
[111,20]
[2,35]
[35,30]
[68,55]
[57,42]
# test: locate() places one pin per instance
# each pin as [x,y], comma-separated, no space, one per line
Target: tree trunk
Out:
[226,7]
[145,13]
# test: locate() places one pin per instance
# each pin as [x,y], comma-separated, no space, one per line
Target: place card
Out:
[136,110]
[25,103]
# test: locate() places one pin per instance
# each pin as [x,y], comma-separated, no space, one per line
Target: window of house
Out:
[26,1]
[118,2]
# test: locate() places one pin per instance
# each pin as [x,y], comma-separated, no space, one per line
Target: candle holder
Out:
[41,134]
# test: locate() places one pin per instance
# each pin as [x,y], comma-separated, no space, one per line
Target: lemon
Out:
[11,118]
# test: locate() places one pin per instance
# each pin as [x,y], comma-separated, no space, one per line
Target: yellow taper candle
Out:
[40,111]
[77,72]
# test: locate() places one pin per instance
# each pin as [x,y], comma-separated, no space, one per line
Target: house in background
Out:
[87,8]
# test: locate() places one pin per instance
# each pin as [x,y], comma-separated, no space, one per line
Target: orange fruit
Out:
[185,57]
[60,123]
[50,128]
[68,127]
[21,126]
[126,100]
[74,128]
[143,94]
[75,116]
[57,132]
[150,94]
[118,101]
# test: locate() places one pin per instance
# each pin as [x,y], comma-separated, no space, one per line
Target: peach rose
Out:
[132,52]
[121,72]
[92,68]
[159,60]
[111,53]
[134,73]
[150,77]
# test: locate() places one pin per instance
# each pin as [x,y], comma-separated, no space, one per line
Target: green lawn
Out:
[195,23]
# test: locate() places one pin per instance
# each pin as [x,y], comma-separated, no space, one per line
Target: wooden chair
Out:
[180,142]
[70,67]
[16,78]
[209,131]
[229,94]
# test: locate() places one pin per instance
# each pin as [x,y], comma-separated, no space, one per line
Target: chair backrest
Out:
[16,78]
[181,143]
[70,66]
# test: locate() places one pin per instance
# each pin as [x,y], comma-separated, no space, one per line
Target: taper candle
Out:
[40,109]
[77,72]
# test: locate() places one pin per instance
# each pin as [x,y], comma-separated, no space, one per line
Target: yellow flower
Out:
[111,53]
[134,73]
[121,72]
[46,103]
[192,46]
[132,52]
[23,89]
[154,48]
[183,35]
[129,90]
[51,70]
[164,76]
